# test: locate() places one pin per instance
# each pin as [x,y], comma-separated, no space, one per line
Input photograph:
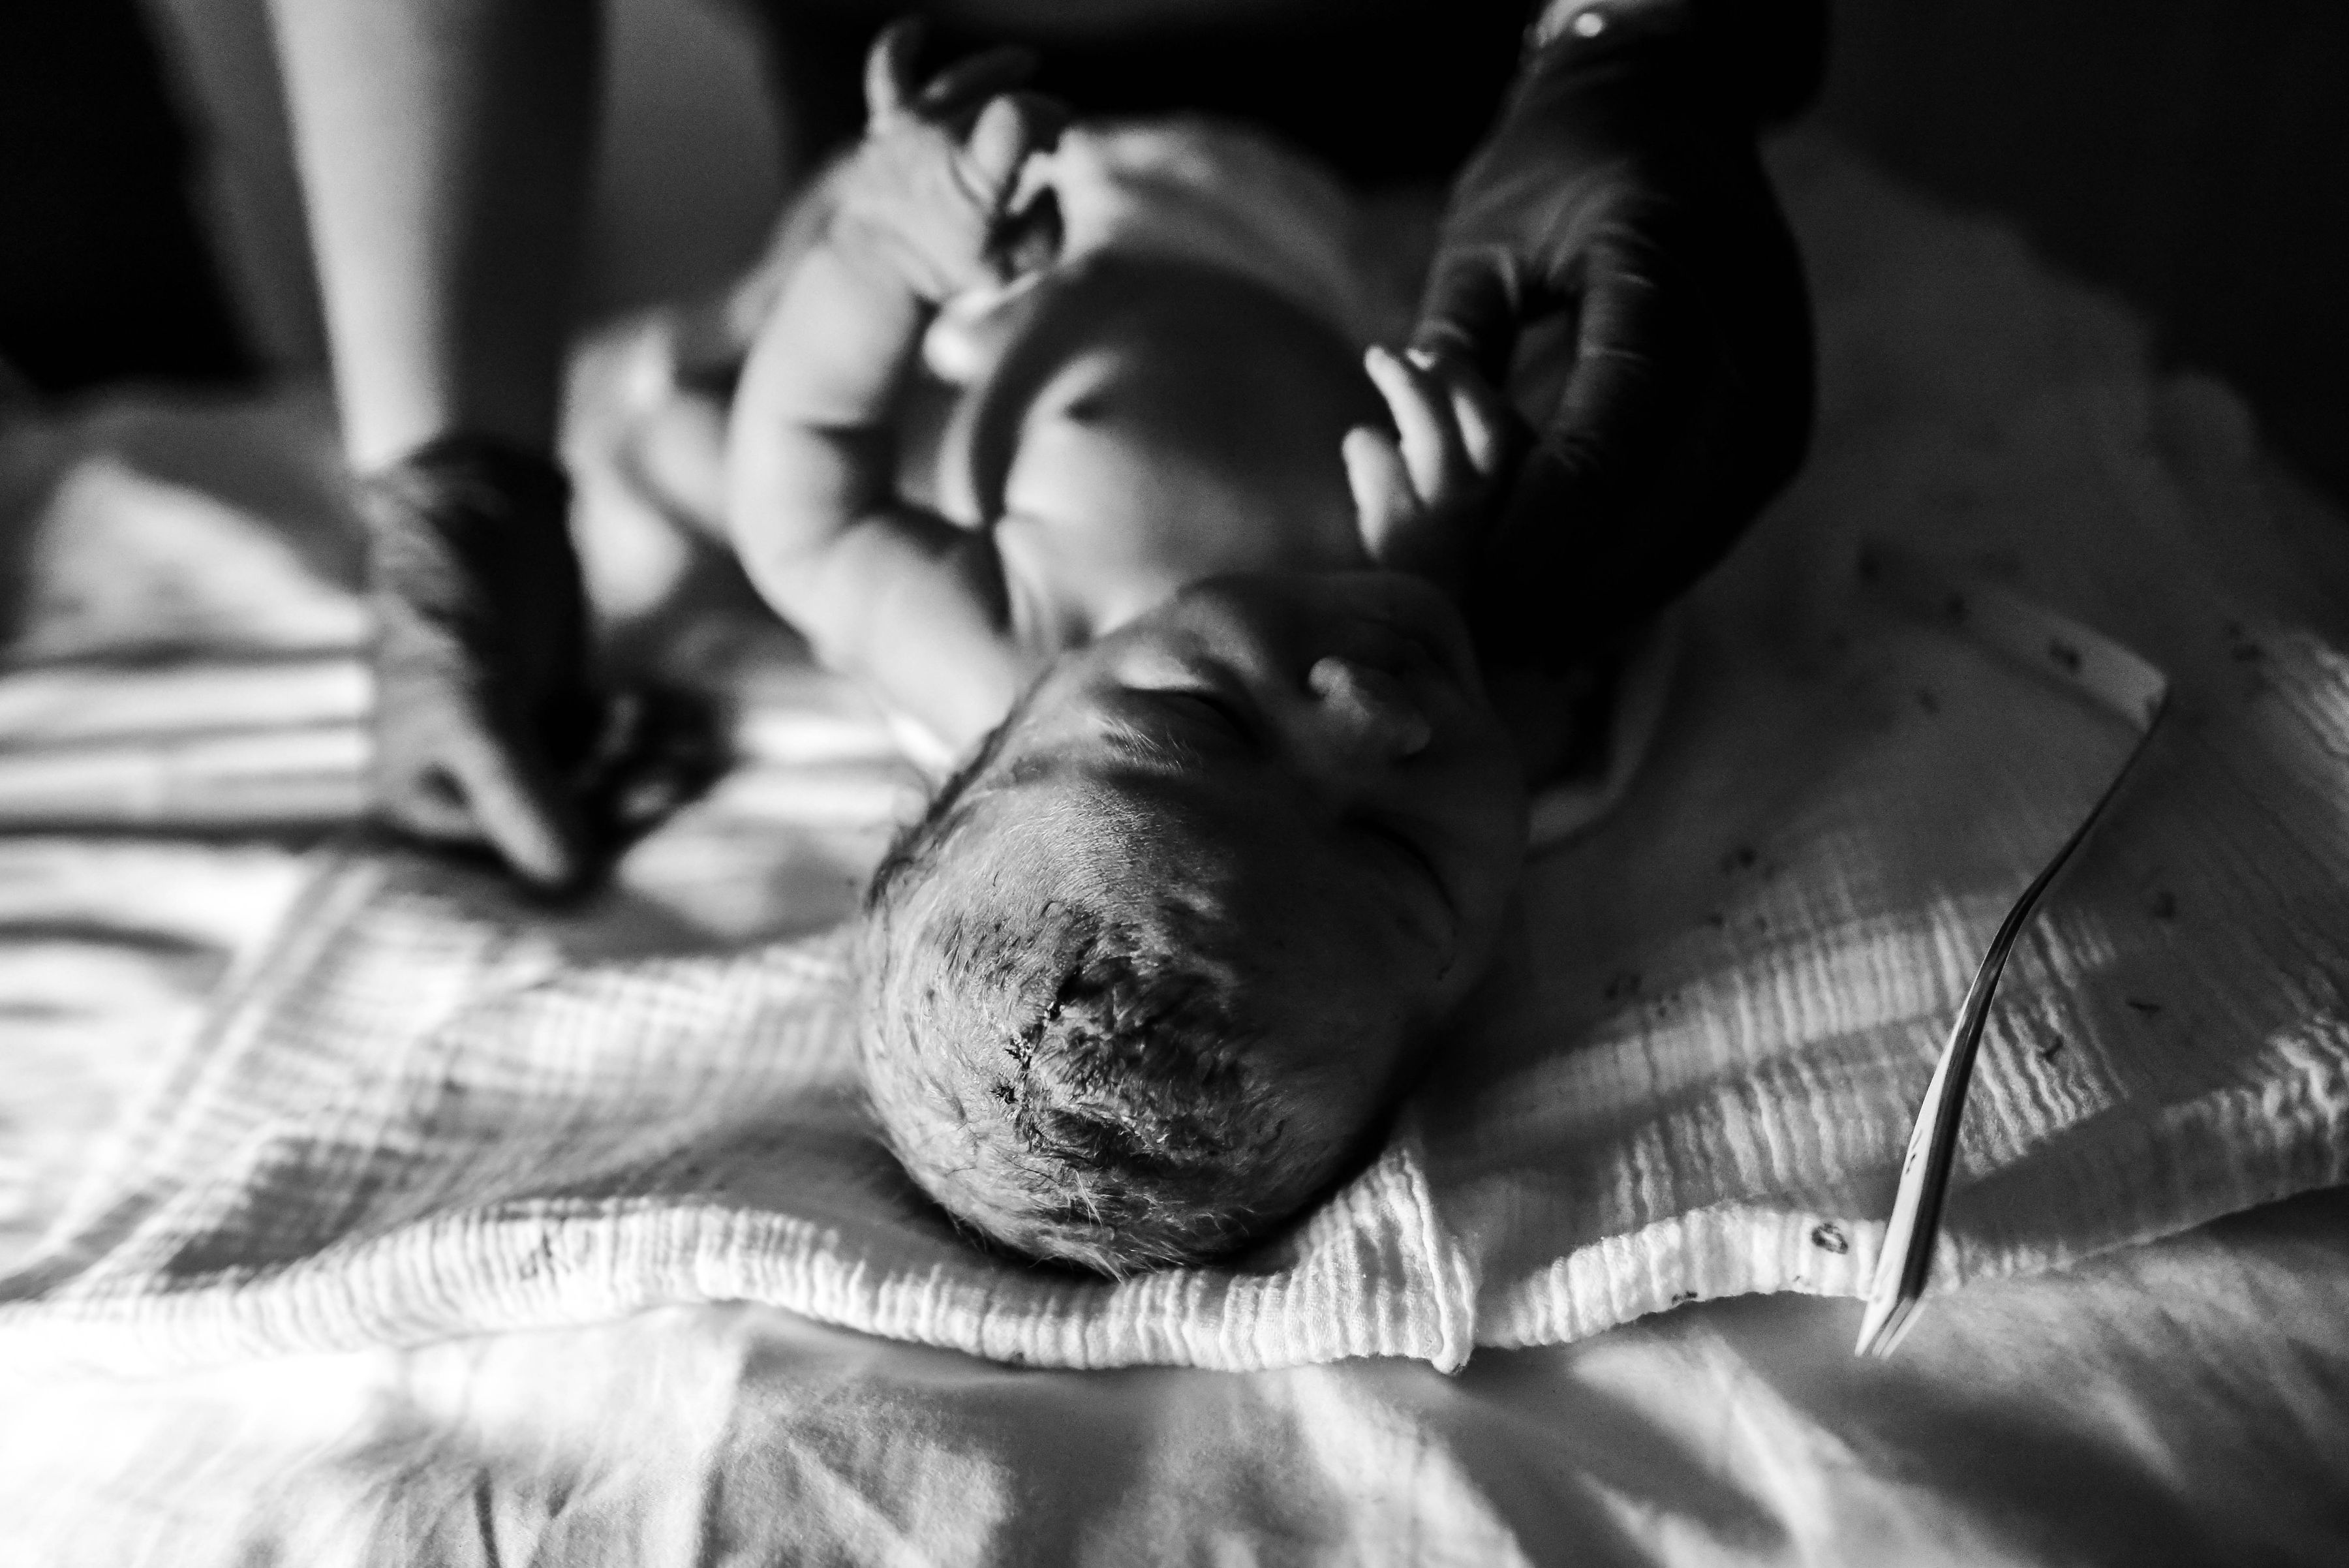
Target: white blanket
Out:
[2182,1401]
[426,1113]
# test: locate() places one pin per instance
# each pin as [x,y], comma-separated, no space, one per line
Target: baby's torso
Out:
[1138,423]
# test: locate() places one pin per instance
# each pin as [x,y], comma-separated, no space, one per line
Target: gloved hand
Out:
[486,730]
[1616,240]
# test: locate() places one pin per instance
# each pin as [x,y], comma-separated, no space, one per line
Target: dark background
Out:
[103,272]
[2191,154]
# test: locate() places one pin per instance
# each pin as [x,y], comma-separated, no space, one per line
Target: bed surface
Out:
[2185,1401]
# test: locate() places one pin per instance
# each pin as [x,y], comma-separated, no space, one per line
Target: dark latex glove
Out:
[486,730]
[1616,244]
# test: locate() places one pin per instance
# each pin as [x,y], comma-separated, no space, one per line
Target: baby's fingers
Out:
[1425,426]
[889,68]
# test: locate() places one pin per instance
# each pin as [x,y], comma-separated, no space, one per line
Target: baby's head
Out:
[1156,967]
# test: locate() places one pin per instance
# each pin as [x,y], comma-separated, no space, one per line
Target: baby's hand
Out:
[931,189]
[1422,500]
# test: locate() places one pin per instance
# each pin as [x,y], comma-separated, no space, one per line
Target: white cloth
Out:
[425,1114]
[2174,1404]
[2177,1402]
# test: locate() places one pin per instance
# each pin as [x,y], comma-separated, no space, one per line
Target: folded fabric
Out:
[426,1113]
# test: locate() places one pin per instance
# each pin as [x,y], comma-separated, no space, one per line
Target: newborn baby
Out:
[1240,821]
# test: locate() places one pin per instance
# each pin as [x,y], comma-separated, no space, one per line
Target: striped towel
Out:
[424,1113]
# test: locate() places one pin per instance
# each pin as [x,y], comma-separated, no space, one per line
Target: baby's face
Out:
[1324,739]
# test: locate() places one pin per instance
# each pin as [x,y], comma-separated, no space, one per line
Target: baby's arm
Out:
[897,595]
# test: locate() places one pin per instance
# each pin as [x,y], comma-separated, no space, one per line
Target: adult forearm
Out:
[444,147]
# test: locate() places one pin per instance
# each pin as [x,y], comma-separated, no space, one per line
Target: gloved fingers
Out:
[1642,364]
[1470,311]
[658,748]
[427,803]
[661,747]
[517,803]
[481,695]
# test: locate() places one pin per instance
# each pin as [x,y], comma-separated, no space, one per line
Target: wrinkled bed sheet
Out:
[2185,1401]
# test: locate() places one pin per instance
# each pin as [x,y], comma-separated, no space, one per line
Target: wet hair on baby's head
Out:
[1079,1072]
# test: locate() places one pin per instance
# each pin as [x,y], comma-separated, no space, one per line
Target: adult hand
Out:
[486,730]
[1616,242]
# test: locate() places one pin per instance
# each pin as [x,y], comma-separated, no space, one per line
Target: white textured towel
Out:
[425,1112]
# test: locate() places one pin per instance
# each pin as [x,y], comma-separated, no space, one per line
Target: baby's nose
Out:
[1370,712]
